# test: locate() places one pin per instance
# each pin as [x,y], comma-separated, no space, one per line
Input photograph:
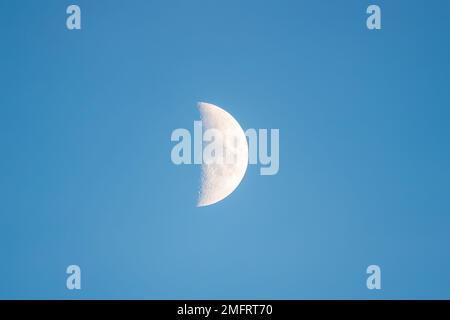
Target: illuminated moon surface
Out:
[219,180]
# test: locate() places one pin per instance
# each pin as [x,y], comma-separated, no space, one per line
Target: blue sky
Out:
[85,170]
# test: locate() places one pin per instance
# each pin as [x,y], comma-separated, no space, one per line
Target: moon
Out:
[219,180]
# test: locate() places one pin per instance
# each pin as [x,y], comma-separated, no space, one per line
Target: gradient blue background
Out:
[85,170]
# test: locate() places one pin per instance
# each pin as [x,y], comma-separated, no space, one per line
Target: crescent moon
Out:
[219,180]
